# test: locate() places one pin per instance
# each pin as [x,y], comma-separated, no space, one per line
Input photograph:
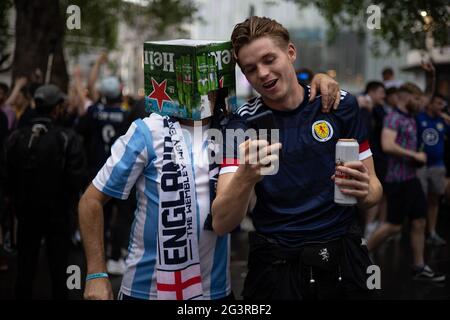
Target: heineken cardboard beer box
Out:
[183,78]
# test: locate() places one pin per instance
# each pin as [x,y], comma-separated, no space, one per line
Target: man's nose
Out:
[263,72]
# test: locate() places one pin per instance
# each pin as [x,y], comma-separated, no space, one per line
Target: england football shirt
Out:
[136,159]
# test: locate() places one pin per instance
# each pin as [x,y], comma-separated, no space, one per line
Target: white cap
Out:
[110,87]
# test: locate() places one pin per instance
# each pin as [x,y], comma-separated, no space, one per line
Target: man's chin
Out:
[271,95]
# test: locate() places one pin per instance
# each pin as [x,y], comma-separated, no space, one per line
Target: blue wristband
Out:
[96,276]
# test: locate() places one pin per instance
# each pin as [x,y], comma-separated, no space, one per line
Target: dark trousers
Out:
[119,215]
[329,270]
[57,240]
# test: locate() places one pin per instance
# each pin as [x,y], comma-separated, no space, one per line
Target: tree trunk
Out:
[39,32]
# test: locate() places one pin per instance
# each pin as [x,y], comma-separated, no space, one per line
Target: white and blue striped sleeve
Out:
[129,157]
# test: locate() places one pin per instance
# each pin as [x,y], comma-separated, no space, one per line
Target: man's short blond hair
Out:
[410,88]
[257,27]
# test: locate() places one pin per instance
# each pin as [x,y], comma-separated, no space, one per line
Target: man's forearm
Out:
[230,207]
[92,79]
[396,150]
[430,83]
[91,228]
[13,96]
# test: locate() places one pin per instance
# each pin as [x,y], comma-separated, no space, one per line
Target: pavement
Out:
[394,259]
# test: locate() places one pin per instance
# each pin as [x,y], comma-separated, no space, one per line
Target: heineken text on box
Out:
[183,77]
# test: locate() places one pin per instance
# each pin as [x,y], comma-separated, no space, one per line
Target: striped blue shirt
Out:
[136,159]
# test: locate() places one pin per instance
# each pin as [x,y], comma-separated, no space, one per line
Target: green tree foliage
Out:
[5,5]
[99,20]
[41,29]
[401,21]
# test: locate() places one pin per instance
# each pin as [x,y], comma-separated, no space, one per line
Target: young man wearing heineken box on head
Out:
[173,251]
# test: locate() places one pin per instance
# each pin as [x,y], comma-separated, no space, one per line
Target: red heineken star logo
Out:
[159,93]
[221,82]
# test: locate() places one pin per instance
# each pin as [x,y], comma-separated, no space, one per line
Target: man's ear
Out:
[292,52]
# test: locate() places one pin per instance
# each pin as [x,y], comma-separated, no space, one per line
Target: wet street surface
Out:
[394,259]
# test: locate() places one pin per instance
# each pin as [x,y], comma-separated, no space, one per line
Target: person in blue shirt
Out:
[431,133]
[305,246]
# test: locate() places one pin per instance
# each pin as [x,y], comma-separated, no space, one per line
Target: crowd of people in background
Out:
[88,120]
[409,138]
[38,202]
[429,128]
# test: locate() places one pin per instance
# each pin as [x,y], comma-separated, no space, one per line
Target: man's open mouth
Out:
[270,84]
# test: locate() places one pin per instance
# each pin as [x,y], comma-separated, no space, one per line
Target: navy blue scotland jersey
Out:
[100,127]
[296,205]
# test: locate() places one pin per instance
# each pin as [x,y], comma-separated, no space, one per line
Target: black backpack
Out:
[36,157]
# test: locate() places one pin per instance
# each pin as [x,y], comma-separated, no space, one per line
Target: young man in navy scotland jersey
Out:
[305,246]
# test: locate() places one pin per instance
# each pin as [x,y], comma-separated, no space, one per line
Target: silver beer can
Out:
[346,150]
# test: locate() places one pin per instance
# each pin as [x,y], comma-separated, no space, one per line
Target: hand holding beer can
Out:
[346,150]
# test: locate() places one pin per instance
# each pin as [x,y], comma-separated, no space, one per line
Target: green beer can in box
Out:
[182,77]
